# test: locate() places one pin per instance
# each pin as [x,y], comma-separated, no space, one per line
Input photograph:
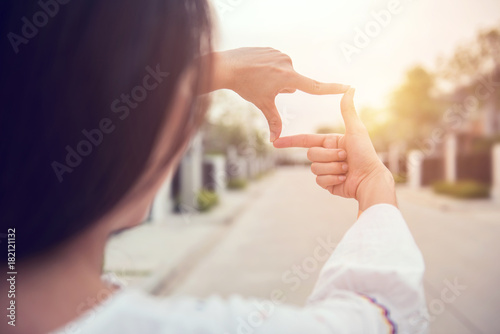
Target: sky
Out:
[319,36]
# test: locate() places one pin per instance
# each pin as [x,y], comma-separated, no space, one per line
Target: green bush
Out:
[462,189]
[264,174]
[237,184]
[485,144]
[206,200]
[399,178]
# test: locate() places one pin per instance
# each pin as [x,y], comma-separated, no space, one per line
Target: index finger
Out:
[305,141]
[311,86]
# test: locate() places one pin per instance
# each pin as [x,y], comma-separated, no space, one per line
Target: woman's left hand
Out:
[260,74]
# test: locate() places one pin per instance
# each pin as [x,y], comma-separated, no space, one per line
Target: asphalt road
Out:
[292,216]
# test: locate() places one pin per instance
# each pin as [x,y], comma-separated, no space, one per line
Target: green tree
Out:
[481,56]
[475,63]
[377,121]
[414,109]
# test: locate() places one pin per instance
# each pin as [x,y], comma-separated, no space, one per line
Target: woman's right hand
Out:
[367,179]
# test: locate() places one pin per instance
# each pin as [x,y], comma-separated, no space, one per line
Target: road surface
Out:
[271,245]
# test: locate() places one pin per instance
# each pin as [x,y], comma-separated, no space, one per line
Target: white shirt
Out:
[372,283]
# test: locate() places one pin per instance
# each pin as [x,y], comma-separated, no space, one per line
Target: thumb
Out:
[351,118]
[274,119]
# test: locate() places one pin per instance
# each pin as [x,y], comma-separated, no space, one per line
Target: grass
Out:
[466,189]
[399,178]
[206,200]
[237,184]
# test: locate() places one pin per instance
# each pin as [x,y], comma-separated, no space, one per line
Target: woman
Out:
[98,105]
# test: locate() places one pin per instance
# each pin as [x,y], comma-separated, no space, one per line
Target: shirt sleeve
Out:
[372,283]
[379,260]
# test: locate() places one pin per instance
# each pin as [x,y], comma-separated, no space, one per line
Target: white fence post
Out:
[191,173]
[414,169]
[393,158]
[496,172]
[218,176]
[163,204]
[451,158]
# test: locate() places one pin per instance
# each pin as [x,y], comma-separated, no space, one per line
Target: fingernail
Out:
[342,154]
[273,136]
[345,167]
[346,87]
[342,178]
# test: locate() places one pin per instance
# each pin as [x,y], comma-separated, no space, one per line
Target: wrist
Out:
[222,73]
[377,188]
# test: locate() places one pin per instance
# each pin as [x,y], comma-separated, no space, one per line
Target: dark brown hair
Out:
[85,92]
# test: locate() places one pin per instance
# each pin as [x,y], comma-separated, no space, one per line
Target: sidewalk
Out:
[159,252]
[273,244]
[428,198]
[459,241]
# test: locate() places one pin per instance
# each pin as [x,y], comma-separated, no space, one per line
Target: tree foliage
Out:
[479,57]
[414,108]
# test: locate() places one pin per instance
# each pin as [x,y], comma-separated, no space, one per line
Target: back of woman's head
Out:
[85,93]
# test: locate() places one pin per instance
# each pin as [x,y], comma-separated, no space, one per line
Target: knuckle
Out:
[315,85]
[288,76]
[335,139]
[287,58]
[274,121]
[279,70]
[330,142]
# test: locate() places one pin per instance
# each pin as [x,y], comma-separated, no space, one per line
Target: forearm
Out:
[221,72]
